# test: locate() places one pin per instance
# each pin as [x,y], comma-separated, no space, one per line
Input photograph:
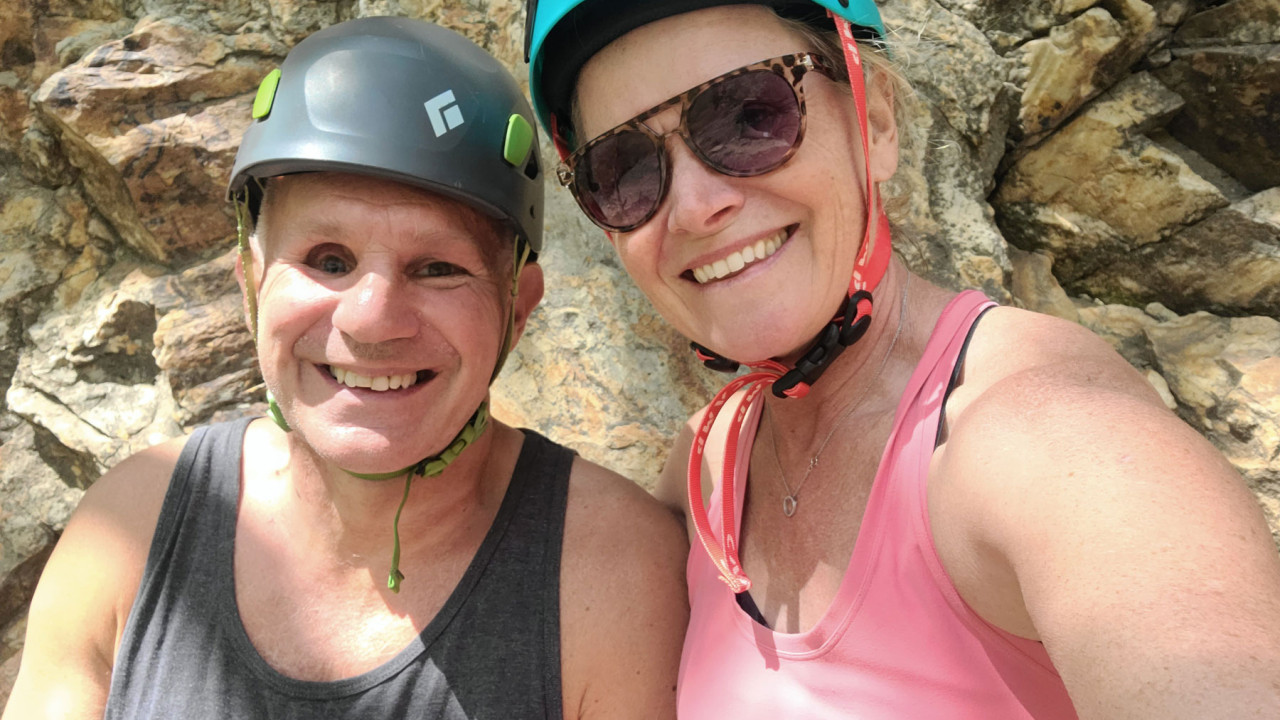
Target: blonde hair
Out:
[877,66]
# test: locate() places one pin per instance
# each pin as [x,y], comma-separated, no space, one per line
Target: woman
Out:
[940,508]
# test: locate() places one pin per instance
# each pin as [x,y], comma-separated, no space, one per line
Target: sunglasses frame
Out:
[792,67]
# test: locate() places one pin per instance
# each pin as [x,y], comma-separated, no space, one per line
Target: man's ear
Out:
[244,288]
[882,126]
[527,298]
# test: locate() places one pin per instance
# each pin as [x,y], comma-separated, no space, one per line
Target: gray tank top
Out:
[493,651]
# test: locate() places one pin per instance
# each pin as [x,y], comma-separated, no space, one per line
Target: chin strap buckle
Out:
[848,328]
[719,363]
[845,330]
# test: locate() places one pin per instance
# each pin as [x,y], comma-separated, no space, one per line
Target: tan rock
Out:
[153,121]
[597,368]
[32,257]
[1225,374]
[1124,328]
[1099,181]
[1061,69]
[1035,287]
[88,376]
[1078,60]
[1010,22]
[1161,387]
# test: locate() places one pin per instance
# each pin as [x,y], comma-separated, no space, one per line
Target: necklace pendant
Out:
[789,503]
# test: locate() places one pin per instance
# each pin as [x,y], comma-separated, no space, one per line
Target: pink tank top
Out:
[898,641]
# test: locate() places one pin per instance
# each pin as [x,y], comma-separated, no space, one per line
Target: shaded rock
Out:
[153,120]
[43,161]
[207,356]
[1238,22]
[1232,189]
[1228,263]
[37,504]
[1231,114]
[16,63]
[1035,287]
[11,655]
[202,344]
[946,229]
[13,112]
[1099,188]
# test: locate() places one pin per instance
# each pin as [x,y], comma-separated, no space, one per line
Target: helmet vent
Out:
[531,167]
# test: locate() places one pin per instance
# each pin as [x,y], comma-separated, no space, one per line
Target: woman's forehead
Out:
[666,57]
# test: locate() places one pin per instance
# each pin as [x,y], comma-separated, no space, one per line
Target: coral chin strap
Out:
[849,325]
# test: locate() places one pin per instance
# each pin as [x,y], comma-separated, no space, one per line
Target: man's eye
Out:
[330,261]
[439,269]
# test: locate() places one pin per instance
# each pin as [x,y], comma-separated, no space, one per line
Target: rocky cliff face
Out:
[1115,162]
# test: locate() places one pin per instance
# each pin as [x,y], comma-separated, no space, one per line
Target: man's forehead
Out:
[326,190]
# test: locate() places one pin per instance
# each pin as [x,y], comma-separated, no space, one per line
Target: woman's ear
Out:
[882,126]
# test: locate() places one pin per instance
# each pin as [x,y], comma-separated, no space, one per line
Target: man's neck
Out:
[346,516]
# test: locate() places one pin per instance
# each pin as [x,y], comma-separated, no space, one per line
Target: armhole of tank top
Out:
[748,605]
[176,498]
[561,466]
[956,372]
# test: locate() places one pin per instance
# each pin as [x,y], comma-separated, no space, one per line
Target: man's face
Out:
[382,309]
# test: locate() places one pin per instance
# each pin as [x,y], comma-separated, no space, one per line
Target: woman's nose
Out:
[701,200]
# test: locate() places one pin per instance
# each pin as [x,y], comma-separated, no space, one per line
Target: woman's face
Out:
[811,209]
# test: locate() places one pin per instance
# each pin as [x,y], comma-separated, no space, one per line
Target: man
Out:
[392,173]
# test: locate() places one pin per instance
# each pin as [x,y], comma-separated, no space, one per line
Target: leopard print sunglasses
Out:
[743,123]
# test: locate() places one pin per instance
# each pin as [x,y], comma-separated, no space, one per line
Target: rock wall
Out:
[1115,162]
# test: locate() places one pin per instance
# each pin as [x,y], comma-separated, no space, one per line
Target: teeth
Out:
[762,249]
[350,378]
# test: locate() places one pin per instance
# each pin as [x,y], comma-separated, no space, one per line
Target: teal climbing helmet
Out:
[561,35]
[405,100]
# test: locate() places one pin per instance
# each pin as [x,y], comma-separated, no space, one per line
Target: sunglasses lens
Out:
[619,179]
[747,124]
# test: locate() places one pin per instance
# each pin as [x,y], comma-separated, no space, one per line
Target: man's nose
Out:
[375,309]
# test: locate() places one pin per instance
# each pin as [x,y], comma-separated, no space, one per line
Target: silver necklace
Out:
[791,500]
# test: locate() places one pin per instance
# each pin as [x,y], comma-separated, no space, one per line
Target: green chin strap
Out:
[427,467]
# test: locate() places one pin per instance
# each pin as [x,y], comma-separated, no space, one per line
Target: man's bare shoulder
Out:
[612,520]
[87,589]
[114,523]
[623,602]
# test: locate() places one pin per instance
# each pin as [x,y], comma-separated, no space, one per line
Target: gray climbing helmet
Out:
[400,99]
